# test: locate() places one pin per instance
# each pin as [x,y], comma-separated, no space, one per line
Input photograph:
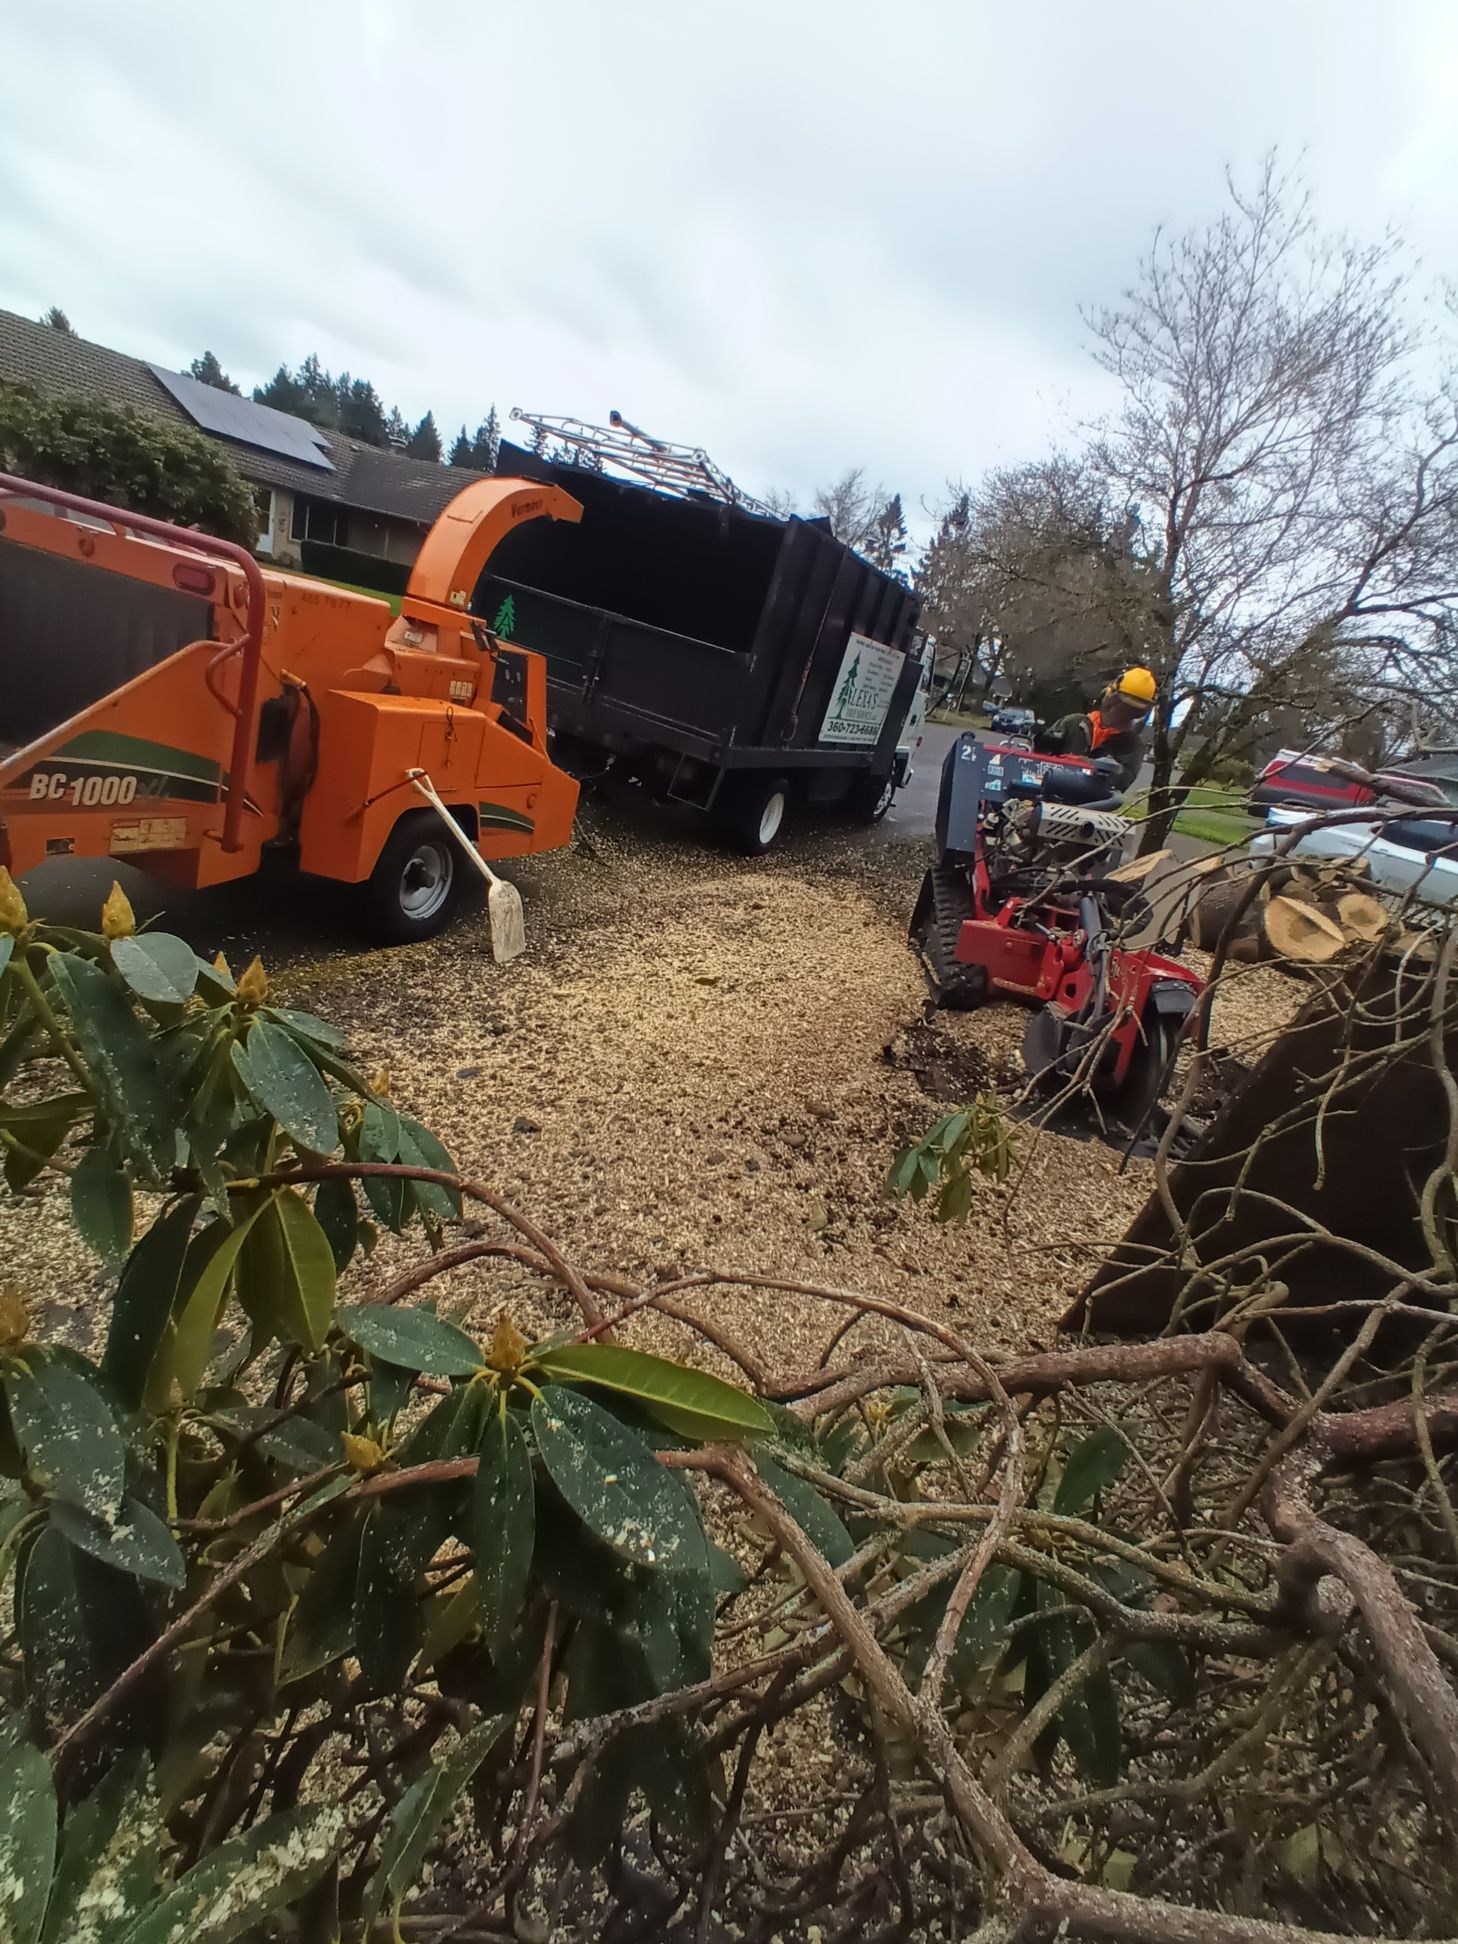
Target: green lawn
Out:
[1214,814]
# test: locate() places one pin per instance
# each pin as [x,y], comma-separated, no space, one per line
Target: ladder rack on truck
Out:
[293,722]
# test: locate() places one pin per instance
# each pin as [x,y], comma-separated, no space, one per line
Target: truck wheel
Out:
[751,811]
[413,890]
[944,904]
[871,797]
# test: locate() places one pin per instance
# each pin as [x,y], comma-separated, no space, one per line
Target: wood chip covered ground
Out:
[703,1061]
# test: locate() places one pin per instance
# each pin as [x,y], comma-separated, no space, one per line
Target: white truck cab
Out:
[909,741]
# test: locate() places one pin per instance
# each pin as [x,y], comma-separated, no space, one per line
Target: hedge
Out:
[126,457]
[358,569]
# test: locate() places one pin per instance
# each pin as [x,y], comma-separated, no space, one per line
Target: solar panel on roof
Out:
[239,418]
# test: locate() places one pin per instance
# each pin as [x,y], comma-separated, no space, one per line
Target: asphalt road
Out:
[913,815]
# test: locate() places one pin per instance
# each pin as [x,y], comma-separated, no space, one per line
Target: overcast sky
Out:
[803,235]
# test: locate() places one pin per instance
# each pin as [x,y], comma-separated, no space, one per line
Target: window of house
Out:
[318,520]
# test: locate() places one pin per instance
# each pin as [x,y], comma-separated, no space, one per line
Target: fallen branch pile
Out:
[1149,1640]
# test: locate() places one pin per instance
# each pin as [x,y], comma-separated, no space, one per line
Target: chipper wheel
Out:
[415,889]
[942,907]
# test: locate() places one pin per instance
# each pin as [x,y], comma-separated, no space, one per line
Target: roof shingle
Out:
[366,477]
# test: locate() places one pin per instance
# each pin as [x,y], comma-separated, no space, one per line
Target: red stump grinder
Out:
[1020,904]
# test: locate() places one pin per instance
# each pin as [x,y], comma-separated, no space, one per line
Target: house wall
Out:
[368,533]
[281,551]
[386,539]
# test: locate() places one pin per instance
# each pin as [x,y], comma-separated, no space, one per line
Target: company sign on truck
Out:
[862,693]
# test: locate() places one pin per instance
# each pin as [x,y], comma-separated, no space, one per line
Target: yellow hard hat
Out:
[1139,685]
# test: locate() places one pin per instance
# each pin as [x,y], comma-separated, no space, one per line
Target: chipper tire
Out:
[415,889]
[944,905]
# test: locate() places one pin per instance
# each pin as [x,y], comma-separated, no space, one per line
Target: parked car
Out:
[1414,853]
[1013,722]
[1308,783]
[1431,776]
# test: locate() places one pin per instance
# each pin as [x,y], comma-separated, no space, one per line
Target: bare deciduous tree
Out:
[1269,518]
[780,500]
[852,508]
[1291,484]
[1033,575]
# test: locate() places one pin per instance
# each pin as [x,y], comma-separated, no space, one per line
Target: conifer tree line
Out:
[344,403]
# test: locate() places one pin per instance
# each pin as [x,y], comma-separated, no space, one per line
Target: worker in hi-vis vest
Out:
[1112,730]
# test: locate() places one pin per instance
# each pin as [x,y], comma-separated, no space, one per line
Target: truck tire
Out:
[750,810]
[944,904]
[414,889]
[871,797]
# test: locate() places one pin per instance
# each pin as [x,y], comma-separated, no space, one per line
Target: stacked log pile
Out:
[1307,913]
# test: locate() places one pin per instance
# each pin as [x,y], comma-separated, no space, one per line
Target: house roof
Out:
[366,477]
[38,354]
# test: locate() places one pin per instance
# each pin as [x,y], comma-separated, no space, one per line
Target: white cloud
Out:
[802,235]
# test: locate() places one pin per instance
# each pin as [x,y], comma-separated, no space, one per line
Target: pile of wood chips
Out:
[702,1061]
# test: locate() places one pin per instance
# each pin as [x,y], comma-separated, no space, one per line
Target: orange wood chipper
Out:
[309,721]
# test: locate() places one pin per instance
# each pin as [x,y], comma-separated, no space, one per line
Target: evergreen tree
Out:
[361,414]
[424,442]
[539,441]
[397,432]
[321,401]
[463,453]
[887,542]
[284,392]
[949,541]
[953,583]
[208,371]
[58,320]
[486,446]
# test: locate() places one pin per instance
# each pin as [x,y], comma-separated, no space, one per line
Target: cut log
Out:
[1139,868]
[1361,916]
[1214,907]
[1301,931]
[1248,947]
[1419,946]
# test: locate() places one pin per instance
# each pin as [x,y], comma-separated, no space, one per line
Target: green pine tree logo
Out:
[848,686]
[504,626]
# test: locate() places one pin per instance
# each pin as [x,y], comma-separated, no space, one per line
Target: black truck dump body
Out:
[691,639]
